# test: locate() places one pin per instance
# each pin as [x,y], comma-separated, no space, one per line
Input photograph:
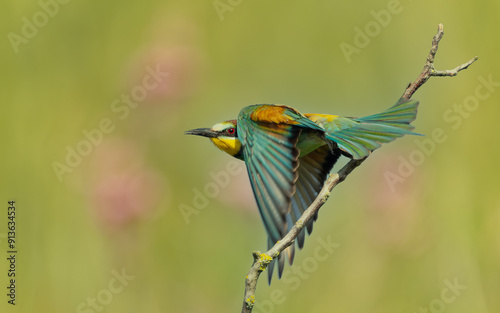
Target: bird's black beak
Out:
[205,132]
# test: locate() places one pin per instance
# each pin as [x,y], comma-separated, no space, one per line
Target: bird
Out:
[289,155]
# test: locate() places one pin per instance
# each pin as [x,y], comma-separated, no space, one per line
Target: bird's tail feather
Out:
[366,134]
[399,115]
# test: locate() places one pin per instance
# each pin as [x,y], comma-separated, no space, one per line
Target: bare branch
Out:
[262,260]
[429,69]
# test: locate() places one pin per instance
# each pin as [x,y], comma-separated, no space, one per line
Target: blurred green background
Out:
[401,241]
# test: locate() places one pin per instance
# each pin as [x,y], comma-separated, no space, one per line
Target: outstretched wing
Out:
[283,185]
[313,171]
[271,155]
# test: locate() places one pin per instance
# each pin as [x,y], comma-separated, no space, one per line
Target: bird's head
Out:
[224,136]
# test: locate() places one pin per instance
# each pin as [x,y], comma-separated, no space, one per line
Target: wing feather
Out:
[284,185]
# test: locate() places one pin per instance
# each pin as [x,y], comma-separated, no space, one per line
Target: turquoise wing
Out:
[271,156]
[284,185]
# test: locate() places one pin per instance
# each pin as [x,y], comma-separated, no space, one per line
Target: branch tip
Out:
[429,70]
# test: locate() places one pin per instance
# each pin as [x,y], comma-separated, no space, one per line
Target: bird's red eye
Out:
[231,130]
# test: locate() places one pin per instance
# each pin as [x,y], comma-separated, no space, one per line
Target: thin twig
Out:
[454,71]
[262,260]
[429,69]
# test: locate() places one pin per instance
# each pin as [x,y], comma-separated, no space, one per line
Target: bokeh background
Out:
[132,203]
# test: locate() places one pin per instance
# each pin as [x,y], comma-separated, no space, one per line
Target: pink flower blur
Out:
[123,189]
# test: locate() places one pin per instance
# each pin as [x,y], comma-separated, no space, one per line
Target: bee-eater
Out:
[289,156]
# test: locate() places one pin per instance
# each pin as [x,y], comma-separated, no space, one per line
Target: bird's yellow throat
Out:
[229,145]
